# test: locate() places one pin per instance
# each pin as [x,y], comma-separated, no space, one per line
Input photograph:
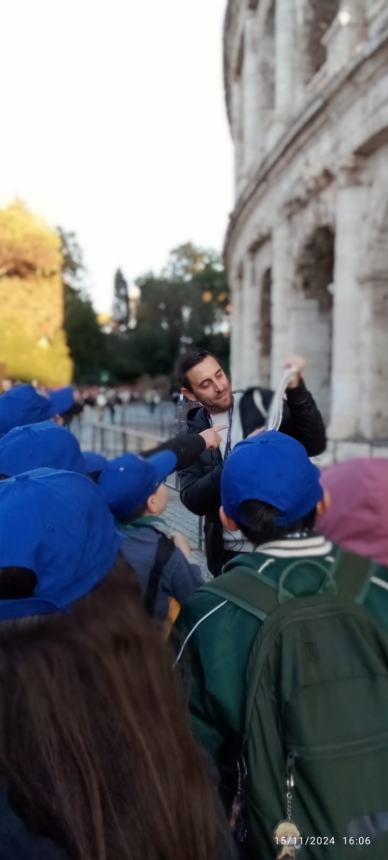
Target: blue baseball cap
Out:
[57,524]
[94,462]
[40,445]
[62,399]
[23,405]
[271,468]
[128,481]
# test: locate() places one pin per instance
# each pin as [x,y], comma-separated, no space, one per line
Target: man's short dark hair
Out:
[190,360]
[259,524]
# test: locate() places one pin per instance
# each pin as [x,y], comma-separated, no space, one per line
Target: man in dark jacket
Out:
[235,415]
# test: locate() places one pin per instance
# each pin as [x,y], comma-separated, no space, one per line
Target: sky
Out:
[114,126]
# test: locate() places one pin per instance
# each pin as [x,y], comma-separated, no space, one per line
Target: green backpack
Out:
[316,731]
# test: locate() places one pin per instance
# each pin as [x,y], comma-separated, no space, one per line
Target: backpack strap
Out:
[257,594]
[164,550]
[326,585]
[247,589]
[352,574]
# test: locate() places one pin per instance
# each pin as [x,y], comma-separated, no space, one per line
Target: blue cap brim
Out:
[94,462]
[163,463]
[61,401]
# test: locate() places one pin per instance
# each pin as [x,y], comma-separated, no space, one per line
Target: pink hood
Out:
[358,517]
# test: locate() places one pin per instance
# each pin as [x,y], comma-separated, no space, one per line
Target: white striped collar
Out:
[297,545]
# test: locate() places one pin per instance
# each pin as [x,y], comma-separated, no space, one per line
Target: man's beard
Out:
[217,408]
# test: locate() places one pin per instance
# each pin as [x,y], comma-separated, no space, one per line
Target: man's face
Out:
[210,385]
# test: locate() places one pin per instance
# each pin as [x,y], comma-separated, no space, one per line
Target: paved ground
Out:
[181,520]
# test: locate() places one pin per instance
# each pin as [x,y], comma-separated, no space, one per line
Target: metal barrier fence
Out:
[159,419]
[112,441]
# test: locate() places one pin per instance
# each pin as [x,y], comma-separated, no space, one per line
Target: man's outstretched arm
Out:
[301,417]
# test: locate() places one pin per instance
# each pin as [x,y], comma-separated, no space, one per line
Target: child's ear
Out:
[324,504]
[150,504]
[227,522]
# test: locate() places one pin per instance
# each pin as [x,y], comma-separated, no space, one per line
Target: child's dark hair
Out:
[94,476]
[17,583]
[258,522]
[140,512]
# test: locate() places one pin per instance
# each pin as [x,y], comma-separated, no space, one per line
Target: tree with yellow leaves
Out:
[32,340]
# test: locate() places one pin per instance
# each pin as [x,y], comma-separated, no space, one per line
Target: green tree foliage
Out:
[83,334]
[120,311]
[186,304]
[121,358]
[73,267]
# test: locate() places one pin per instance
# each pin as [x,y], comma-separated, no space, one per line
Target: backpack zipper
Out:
[347,748]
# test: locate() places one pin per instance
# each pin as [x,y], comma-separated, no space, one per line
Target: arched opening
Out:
[312,313]
[319,16]
[316,267]
[265,329]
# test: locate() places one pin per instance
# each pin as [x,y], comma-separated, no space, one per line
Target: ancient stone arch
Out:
[265,328]
[318,17]
[316,267]
[311,312]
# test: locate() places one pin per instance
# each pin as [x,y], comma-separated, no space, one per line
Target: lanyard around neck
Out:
[228,446]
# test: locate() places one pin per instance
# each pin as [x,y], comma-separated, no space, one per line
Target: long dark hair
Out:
[95,751]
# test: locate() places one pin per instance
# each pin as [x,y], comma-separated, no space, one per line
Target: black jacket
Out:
[200,483]
[187,450]
[16,841]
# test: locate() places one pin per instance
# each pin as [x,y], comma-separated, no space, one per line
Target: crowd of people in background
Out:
[111,400]
[149,715]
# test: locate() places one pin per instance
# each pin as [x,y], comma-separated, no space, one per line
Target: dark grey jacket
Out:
[179,577]
[200,482]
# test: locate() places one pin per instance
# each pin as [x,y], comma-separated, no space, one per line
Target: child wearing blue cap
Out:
[241,630]
[40,445]
[21,405]
[137,496]
[269,490]
[96,757]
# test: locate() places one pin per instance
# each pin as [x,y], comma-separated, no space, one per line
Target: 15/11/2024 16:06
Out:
[298,841]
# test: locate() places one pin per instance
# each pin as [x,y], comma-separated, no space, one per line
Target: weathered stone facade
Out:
[307,244]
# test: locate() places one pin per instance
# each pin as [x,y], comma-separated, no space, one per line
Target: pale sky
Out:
[113,125]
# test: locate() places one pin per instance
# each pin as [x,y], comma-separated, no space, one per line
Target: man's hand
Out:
[182,543]
[212,437]
[298,362]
